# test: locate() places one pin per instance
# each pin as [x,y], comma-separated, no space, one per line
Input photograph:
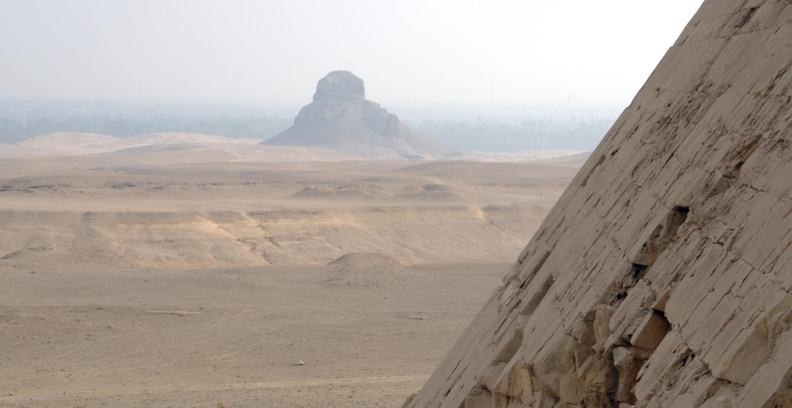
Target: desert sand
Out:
[177,271]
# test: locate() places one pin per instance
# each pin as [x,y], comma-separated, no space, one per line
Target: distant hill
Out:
[70,143]
[163,148]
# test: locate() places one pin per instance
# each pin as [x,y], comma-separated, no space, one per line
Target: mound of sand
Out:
[71,143]
[76,143]
[183,138]
[166,154]
[12,150]
[369,270]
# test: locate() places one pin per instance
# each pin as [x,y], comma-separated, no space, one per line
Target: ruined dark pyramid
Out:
[341,118]
[662,278]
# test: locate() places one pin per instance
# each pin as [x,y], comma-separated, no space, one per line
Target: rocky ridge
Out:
[663,276]
[341,118]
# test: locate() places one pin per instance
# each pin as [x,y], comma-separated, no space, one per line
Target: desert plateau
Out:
[178,270]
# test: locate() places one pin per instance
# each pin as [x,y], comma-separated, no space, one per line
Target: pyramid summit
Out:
[341,118]
[662,278]
[339,85]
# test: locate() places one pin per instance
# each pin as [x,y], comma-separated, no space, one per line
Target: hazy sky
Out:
[408,52]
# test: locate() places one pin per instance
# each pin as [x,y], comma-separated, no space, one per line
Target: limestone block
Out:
[773,382]
[555,368]
[651,331]
[629,313]
[599,378]
[516,384]
[602,330]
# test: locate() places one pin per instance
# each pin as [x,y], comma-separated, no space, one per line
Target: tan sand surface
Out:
[119,337]
[184,276]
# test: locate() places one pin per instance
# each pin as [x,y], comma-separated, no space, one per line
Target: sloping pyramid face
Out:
[662,277]
[341,118]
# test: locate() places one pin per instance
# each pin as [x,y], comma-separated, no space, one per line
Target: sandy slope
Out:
[69,143]
[149,148]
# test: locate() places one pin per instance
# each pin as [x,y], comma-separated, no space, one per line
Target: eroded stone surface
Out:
[662,277]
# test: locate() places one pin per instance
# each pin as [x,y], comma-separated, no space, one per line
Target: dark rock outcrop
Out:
[341,118]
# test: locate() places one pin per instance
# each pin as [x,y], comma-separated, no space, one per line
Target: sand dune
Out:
[11,150]
[183,138]
[369,270]
[71,143]
[75,143]
[218,148]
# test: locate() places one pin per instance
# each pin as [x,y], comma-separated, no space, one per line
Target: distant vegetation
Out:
[20,120]
[14,129]
[544,133]
[23,119]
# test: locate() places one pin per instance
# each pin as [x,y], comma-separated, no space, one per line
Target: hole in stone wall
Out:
[638,272]
[619,298]
[677,217]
